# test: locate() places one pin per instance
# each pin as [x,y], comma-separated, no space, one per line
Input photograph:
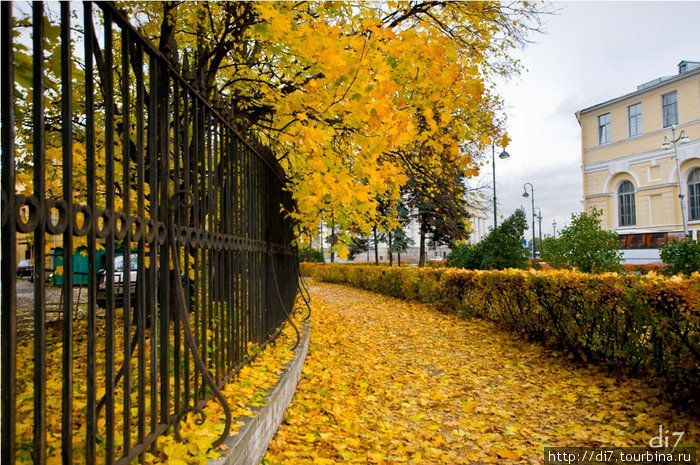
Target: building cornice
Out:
[674,81]
[685,152]
[599,196]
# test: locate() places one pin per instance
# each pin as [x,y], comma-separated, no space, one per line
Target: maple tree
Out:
[353,98]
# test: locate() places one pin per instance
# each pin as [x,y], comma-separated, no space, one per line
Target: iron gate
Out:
[108,148]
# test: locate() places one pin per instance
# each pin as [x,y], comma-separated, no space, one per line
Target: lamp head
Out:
[525,194]
[684,139]
[667,143]
[504,155]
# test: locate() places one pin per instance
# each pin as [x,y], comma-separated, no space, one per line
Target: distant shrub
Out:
[500,248]
[584,245]
[464,256]
[643,268]
[435,264]
[681,256]
[311,255]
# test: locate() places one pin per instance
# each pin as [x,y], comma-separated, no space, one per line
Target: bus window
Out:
[656,240]
[635,241]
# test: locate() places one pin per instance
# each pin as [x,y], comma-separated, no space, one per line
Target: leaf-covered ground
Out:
[245,393]
[389,381]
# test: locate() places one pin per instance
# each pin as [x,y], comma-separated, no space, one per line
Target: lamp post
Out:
[539,222]
[526,195]
[503,155]
[682,139]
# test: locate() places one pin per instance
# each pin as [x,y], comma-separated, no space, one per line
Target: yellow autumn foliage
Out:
[346,88]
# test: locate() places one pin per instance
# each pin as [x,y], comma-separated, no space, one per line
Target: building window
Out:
[634,116]
[694,194]
[625,197]
[670,108]
[604,129]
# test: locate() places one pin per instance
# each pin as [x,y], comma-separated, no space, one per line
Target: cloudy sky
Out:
[591,52]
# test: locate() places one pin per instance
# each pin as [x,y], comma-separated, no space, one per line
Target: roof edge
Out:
[679,77]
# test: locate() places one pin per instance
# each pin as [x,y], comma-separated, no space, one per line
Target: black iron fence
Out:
[111,154]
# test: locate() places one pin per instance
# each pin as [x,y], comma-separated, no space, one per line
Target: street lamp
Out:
[503,155]
[526,195]
[682,139]
[539,222]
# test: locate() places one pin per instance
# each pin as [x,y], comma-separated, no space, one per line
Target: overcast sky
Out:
[591,52]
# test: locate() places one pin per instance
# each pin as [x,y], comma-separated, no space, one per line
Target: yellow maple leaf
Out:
[507,454]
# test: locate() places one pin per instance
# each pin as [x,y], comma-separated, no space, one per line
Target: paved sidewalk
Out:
[389,381]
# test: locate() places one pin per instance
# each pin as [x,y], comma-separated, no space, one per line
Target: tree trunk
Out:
[391,255]
[421,249]
[399,255]
[320,238]
[376,247]
[333,239]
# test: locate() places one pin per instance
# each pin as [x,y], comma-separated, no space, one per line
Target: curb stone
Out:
[248,446]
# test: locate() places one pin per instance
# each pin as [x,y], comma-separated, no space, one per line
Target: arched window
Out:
[625,197]
[694,194]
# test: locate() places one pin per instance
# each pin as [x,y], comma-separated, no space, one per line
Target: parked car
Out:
[119,281]
[25,268]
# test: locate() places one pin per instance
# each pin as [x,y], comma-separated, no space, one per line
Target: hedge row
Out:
[643,325]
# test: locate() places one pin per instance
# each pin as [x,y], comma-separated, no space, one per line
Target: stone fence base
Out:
[249,445]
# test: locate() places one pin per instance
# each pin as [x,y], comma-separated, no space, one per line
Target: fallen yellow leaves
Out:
[244,393]
[390,381]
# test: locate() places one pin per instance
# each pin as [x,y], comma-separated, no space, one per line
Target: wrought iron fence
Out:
[111,155]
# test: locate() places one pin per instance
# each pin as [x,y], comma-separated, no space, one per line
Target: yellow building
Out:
[629,163]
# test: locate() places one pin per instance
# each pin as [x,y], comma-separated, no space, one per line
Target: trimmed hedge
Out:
[643,325]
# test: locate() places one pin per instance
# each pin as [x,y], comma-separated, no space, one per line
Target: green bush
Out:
[500,248]
[584,245]
[681,256]
[311,255]
[643,325]
[464,256]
